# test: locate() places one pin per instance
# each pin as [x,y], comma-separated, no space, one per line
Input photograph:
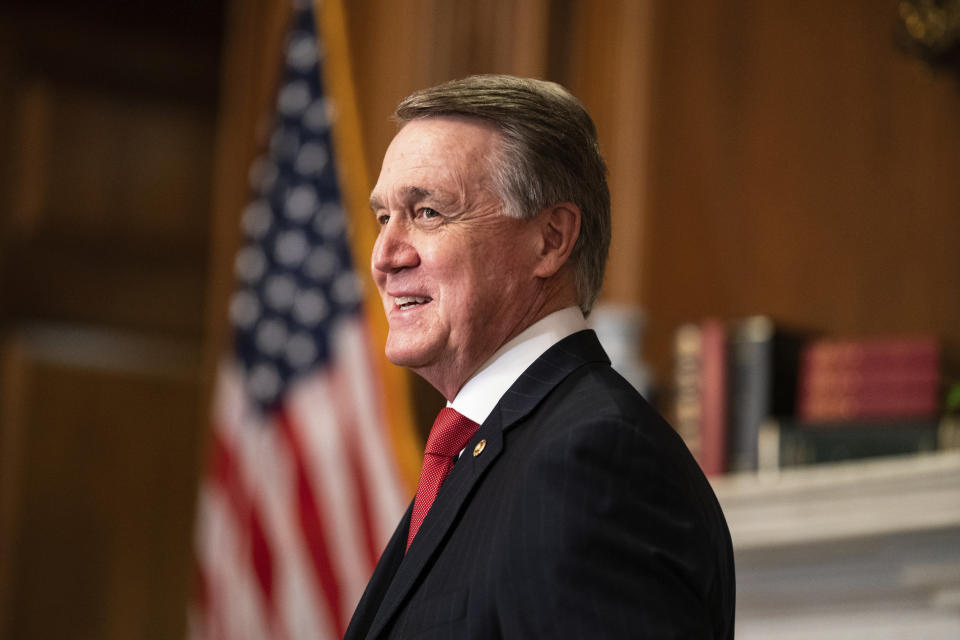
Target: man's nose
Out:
[393,249]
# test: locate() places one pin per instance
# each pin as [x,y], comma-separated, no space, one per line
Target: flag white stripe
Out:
[313,412]
[237,612]
[297,593]
[389,496]
[243,613]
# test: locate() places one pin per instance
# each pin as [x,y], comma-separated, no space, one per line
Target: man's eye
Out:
[383,219]
[427,212]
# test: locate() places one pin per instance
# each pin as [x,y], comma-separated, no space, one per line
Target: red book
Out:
[713,393]
[878,378]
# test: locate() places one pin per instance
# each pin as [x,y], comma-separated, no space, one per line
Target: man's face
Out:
[454,273]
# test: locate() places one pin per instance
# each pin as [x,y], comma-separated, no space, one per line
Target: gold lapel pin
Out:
[477,450]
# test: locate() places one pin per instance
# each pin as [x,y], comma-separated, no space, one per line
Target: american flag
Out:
[302,491]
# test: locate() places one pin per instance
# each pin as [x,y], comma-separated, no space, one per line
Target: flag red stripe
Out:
[223,468]
[262,560]
[346,419]
[249,523]
[308,512]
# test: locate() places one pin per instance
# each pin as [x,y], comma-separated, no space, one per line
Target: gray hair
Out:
[549,155]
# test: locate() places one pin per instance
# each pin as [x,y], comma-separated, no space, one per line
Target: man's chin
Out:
[406,356]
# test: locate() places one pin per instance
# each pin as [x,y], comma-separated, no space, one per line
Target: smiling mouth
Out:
[409,302]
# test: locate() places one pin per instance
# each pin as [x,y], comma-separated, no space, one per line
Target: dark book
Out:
[763,369]
[789,443]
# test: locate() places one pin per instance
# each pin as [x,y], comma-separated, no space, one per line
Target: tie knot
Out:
[450,433]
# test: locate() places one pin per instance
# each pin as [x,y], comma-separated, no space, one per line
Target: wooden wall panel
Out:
[104,438]
[106,134]
[802,167]
[606,52]
[106,196]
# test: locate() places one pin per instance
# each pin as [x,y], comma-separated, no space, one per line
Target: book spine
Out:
[751,393]
[686,408]
[802,443]
[713,392]
[850,380]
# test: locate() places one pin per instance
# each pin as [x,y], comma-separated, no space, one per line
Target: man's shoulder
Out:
[572,391]
[595,411]
[594,393]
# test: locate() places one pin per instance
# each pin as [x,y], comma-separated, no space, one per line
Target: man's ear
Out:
[559,227]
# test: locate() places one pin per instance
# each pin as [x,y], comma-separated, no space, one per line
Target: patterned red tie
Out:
[450,433]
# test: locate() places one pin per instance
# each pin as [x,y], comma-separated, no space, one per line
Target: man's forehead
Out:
[408,193]
[438,158]
[456,136]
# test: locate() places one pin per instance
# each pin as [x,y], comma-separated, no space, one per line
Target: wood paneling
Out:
[105,435]
[107,141]
[606,53]
[803,167]
[107,192]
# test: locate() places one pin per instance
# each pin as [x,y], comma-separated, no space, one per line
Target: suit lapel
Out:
[532,386]
[440,518]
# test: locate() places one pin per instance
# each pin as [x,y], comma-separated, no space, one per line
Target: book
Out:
[882,378]
[763,369]
[713,393]
[790,442]
[686,369]
[700,403]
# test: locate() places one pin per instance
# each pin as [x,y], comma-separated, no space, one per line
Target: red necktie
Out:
[450,433]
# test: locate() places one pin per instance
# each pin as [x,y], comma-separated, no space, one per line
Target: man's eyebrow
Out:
[414,194]
[410,194]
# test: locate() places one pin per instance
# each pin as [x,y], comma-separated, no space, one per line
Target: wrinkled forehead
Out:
[439,152]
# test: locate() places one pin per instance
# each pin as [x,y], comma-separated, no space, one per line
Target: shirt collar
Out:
[483,391]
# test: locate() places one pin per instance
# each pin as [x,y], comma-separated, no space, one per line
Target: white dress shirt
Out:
[483,391]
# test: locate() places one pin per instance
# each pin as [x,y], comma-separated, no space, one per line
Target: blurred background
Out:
[795,162]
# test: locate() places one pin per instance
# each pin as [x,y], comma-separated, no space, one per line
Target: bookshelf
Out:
[854,549]
[827,503]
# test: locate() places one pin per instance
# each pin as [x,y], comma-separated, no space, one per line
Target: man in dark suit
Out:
[553,502]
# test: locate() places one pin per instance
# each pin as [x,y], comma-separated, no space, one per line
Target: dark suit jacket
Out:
[583,517]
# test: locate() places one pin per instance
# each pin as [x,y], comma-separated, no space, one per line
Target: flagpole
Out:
[355,187]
